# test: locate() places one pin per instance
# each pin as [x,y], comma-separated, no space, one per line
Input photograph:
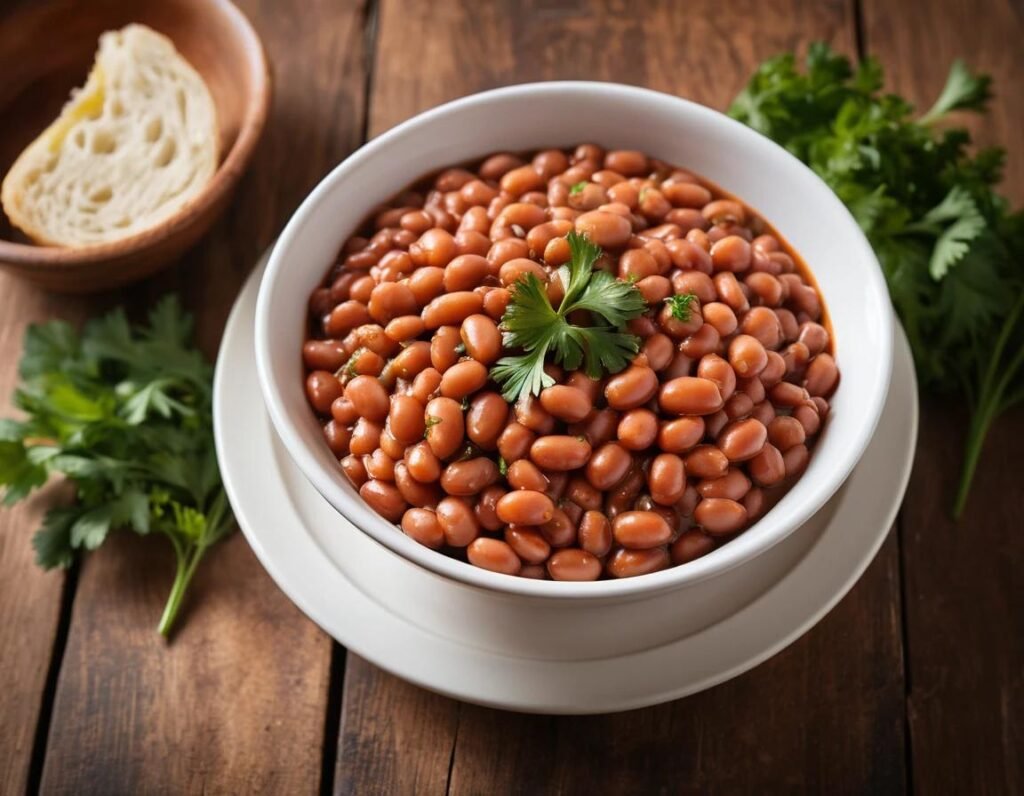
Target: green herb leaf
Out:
[124,413]
[532,324]
[679,305]
[952,253]
[578,188]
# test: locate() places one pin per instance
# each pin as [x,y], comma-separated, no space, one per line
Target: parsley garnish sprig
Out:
[125,415]
[952,252]
[531,323]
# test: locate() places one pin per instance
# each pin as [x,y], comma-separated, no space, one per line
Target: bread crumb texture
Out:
[129,150]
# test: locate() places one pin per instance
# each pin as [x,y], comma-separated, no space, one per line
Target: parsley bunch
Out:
[532,324]
[125,415]
[952,252]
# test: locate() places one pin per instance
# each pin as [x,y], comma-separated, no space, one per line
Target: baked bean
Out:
[468,241]
[722,211]
[720,516]
[580,492]
[636,264]
[713,368]
[414,358]
[425,385]
[721,317]
[445,426]
[637,429]
[753,388]
[560,530]
[469,477]
[795,460]
[822,375]
[574,564]
[626,563]
[452,309]
[766,287]
[496,301]
[524,474]
[405,327]
[658,349]
[768,467]
[368,396]
[742,439]
[716,422]
[786,394]
[679,436]
[595,533]
[426,283]
[337,437]
[465,272]
[365,437]
[754,503]
[747,355]
[345,317]
[520,180]
[733,485]
[706,340]
[809,418]
[422,525]
[566,403]
[494,555]
[322,388]
[391,300]
[486,508]
[525,507]
[731,253]
[763,411]
[372,336]
[641,530]
[485,420]
[497,166]
[391,446]
[627,162]
[416,493]
[686,194]
[528,544]
[423,464]
[328,355]
[706,461]
[530,412]
[435,247]
[384,498]
[774,371]
[763,325]
[784,432]
[555,452]
[405,419]
[607,466]
[689,395]
[607,230]
[631,388]
[463,378]
[458,521]
[691,546]
[515,441]
[814,336]
[354,470]
[666,479]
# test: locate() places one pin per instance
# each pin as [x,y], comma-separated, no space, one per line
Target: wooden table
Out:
[915,681]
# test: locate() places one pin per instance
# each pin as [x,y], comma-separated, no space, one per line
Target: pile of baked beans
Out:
[624,475]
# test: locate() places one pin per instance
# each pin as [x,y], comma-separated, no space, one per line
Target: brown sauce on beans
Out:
[639,470]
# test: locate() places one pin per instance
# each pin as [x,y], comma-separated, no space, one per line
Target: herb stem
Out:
[187,562]
[990,405]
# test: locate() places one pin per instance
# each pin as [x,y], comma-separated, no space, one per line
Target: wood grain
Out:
[962,582]
[30,599]
[236,704]
[827,714]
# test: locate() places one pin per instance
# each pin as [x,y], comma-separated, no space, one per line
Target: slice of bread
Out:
[130,148]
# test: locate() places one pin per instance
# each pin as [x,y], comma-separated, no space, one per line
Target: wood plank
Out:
[828,712]
[30,599]
[963,590]
[237,703]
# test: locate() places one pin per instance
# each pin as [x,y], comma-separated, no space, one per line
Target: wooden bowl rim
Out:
[63,258]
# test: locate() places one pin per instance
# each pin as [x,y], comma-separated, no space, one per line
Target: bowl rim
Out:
[54,259]
[386,533]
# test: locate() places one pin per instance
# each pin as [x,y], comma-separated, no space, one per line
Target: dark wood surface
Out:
[914,681]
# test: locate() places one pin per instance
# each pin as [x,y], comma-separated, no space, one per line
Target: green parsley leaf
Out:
[532,324]
[951,251]
[124,413]
[578,188]
[679,305]
[502,466]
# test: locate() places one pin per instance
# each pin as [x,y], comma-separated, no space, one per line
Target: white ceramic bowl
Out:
[563,114]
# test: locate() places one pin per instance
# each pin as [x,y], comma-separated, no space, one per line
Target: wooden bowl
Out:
[46,49]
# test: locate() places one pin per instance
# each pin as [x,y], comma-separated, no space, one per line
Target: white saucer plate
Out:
[501,651]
